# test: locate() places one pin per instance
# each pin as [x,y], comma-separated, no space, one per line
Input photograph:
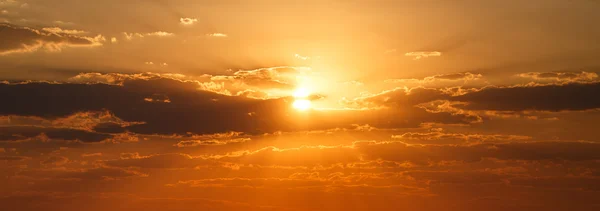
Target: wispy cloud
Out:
[298,56]
[188,21]
[160,34]
[422,54]
[58,30]
[561,76]
[130,36]
[63,23]
[217,35]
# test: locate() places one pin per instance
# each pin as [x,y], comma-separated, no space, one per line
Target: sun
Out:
[302,105]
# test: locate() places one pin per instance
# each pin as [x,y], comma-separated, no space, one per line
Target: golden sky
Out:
[345,105]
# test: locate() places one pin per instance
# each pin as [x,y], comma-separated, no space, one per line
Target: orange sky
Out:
[349,105]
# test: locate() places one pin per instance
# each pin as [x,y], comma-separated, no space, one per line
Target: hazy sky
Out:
[421,105]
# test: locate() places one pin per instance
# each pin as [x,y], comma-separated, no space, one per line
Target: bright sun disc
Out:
[302,105]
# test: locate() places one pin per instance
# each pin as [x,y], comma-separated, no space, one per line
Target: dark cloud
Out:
[23,132]
[572,96]
[193,110]
[109,128]
[17,39]
[562,76]
[403,98]
[552,97]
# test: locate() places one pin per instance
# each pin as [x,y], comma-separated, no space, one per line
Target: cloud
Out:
[86,121]
[457,138]
[399,97]
[21,133]
[455,79]
[561,76]
[114,40]
[269,78]
[551,97]
[160,34]
[423,54]
[98,154]
[55,161]
[298,56]
[189,100]
[23,39]
[217,35]
[466,76]
[542,98]
[210,142]
[188,21]
[159,161]
[81,126]
[250,83]
[130,36]
[63,23]
[57,30]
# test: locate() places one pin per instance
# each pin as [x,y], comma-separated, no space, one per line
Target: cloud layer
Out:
[23,39]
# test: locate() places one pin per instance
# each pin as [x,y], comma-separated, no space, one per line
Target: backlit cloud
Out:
[160,34]
[130,36]
[23,39]
[58,30]
[188,21]
[561,76]
[423,54]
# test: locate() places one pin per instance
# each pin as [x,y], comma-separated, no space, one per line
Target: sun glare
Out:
[302,105]
[301,93]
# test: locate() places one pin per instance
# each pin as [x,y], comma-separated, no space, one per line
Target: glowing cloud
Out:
[130,36]
[298,56]
[160,34]
[423,54]
[57,30]
[188,21]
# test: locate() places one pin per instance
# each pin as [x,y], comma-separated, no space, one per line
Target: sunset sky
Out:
[337,105]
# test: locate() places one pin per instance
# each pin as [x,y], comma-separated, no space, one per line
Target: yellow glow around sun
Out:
[302,105]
